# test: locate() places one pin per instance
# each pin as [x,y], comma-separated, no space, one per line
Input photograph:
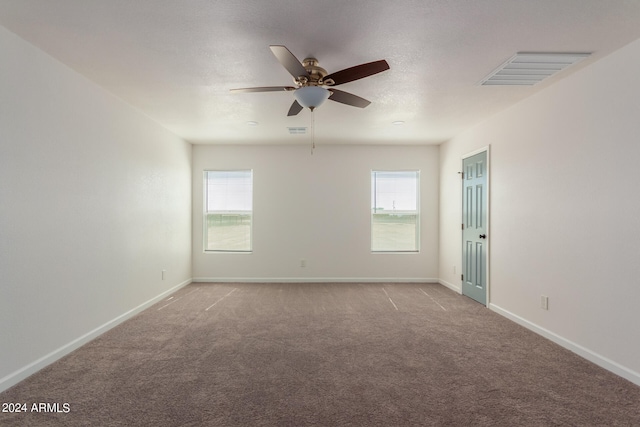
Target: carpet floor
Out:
[321,354]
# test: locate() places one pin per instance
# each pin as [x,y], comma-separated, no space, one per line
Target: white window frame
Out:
[229,212]
[373,212]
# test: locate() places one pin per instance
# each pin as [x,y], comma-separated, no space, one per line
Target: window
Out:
[228,210]
[395,213]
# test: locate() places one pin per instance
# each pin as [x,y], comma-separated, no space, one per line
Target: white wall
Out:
[564,210]
[316,207]
[95,201]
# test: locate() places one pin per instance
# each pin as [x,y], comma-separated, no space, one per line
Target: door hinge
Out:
[462,277]
[462,175]
[462,226]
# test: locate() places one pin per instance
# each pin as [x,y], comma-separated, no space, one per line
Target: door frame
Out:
[486,148]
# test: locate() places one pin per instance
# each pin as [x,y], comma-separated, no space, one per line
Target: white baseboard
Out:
[451,286]
[40,363]
[591,356]
[315,279]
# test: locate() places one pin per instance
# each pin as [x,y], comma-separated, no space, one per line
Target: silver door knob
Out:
[483,236]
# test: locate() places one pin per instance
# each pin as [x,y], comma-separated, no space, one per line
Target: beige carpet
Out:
[322,355]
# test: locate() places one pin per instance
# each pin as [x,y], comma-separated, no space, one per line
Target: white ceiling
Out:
[176,60]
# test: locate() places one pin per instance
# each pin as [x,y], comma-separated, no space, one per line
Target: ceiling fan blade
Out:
[264,89]
[295,109]
[289,61]
[348,98]
[357,72]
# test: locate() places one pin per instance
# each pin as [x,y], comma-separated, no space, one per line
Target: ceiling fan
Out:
[313,85]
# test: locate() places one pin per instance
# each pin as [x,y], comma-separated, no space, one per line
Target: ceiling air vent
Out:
[527,69]
[297,131]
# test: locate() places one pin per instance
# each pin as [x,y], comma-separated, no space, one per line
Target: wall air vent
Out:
[297,131]
[527,69]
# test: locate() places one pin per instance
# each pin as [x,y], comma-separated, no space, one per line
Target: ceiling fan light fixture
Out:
[311,96]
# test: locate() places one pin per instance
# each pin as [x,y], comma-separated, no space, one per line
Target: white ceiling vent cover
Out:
[297,131]
[527,69]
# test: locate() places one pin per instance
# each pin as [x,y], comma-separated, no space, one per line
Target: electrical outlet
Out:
[164,274]
[544,302]
[303,263]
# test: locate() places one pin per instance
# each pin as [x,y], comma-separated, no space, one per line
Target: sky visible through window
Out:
[229,191]
[394,191]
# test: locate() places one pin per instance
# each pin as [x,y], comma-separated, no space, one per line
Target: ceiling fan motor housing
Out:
[316,74]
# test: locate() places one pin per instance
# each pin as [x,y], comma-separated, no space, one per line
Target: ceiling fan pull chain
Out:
[313,131]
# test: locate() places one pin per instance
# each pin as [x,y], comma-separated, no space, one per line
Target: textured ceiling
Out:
[177,60]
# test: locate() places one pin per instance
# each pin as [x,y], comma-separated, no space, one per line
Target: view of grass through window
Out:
[228,210]
[395,215]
